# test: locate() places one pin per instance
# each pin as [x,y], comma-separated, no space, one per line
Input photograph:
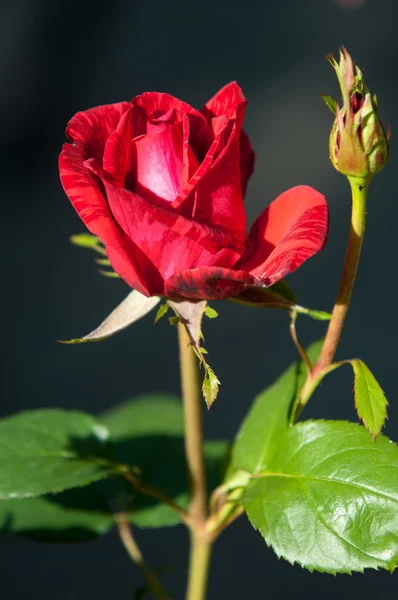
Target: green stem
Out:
[199,563]
[128,541]
[300,349]
[200,544]
[359,189]
[154,492]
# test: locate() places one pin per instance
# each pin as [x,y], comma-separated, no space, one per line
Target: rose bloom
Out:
[162,185]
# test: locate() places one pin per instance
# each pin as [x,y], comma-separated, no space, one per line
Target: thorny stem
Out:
[128,541]
[200,543]
[359,189]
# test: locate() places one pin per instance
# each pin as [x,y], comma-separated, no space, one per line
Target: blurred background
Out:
[60,57]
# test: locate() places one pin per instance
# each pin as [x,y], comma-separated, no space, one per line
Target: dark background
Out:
[60,57]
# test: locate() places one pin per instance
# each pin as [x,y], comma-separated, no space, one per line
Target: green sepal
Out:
[330,103]
[134,307]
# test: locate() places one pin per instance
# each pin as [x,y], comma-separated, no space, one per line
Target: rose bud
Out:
[359,145]
[162,185]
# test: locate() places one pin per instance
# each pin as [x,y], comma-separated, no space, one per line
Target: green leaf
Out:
[133,308]
[51,450]
[210,312]
[86,240]
[145,415]
[174,320]
[330,103]
[370,401]
[328,499]
[148,432]
[318,315]
[268,418]
[110,274]
[163,308]
[210,386]
[104,262]
[71,516]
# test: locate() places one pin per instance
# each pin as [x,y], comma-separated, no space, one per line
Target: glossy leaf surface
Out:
[328,499]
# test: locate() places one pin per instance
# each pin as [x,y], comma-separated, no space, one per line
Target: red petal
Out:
[117,155]
[247,160]
[171,242]
[293,228]
[213,195]
[226,102]
[201,135]
[209,283]
[158,163]
[90,129]
[230,101]
[84,191]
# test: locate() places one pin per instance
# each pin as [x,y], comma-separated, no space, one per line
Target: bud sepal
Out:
[359,144]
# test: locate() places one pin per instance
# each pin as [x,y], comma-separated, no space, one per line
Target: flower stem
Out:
[136,556]
[199,562]
[359,189]
[200,544]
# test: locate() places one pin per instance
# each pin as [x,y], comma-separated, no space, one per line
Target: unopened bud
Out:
[359,145]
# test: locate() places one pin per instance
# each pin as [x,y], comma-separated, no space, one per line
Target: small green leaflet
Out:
[110,274]
[163,308]
[328,499]
[318,315]
[210,312]
[370,401]
[86,240]
[210,385]
[174,320]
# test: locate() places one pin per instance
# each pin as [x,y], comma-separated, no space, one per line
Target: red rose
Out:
[162,185]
